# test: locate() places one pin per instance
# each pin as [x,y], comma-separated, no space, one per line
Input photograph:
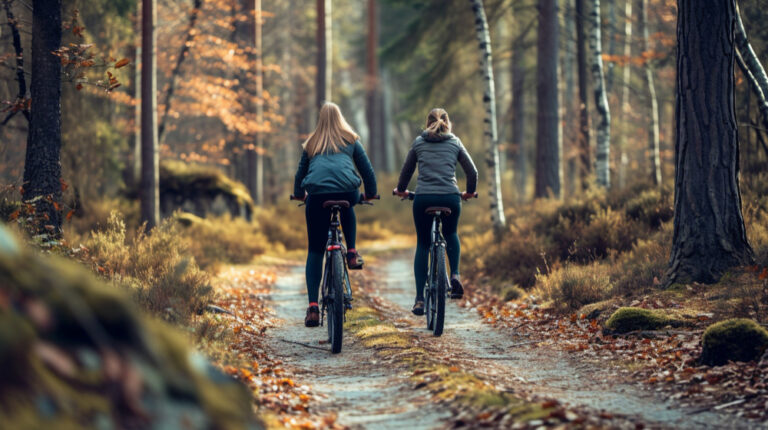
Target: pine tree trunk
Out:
[626,76]
[653,134]
[548,132]
[256,155]
[42,165]
[324,49]
[518,118]
[150,168]
[603,162]
[610,35]
[585,151]
[373,90]
[709,235]
[570,138]
[491,130]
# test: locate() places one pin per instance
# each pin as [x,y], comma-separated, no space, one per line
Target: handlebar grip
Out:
[292,197]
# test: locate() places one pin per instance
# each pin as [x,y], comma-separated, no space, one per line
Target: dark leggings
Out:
[318,222]
[423,223]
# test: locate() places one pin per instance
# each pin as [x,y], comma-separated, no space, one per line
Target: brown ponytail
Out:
[438,122]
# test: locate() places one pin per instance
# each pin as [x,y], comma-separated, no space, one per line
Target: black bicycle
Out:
[436,289]
[336,291]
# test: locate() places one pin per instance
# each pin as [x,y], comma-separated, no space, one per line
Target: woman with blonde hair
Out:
[328,170]
[436,152]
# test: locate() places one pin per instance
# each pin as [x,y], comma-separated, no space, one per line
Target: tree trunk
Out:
[491,130]
[581,60]
[324,45]
[150,163]
[626,76]
[548,132]
[610,35]
[373,90]
[570,150]
[752,67]
[190,35]
[603,165]
[21,78]
[255,154]
[653,135]
[136,173]
[518,118]
[755,85]
[42,166]
[709,235]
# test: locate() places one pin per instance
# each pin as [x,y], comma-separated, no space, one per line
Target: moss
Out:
[737,339]
[629,319]
[194,179]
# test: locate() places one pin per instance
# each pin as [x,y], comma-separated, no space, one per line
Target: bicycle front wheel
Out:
[336,303]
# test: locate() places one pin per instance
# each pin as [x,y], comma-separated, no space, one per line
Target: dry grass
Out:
[573,286]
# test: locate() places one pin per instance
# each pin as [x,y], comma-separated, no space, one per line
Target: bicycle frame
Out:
[334,244]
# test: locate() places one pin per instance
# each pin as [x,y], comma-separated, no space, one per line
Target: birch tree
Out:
[709,235]
[549,147]
[653,134]
[323,40]
[150,163]
[491,129]
[752,68]
[624,101]
[603,153]
[255,153]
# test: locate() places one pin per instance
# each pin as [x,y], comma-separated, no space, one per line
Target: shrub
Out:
[283,227]
[607,231]
[155,267]
[638,271]
[628,319]
[516,259]
[652,207]
[733,340]
[222,240]
[574,286]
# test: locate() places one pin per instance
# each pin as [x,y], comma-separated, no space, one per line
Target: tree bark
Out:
[626,76]
[324,49]
[603,162]
[42,166]
[570,133]
[21,78]
[150,163]
[548,132]
[755,85]
[610,35]
[255,154]
[585,151]
[136,171]
[193,16]
[518,118]
[491,129]
[373,91]
[709,235]
[653,135]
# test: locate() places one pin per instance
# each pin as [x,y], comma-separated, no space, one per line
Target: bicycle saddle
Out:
[434,209]
[340,203]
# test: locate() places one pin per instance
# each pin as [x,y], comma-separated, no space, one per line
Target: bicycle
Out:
[436,289]
[336,290]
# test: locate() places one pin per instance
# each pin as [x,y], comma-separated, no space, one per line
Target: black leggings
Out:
[423,223]
[318,222]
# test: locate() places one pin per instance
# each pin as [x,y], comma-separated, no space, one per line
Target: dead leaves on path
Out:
[664,361]
[274,387]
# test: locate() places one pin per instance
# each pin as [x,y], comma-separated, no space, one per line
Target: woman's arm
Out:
[469,169]
[301,172]
[363,165]
[407,171]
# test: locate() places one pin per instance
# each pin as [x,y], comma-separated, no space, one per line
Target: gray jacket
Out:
[436,156]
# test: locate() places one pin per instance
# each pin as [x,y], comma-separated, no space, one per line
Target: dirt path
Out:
[514,364]
[363,392]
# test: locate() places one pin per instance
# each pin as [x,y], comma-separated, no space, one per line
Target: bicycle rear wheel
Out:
[438,282]
[336,302]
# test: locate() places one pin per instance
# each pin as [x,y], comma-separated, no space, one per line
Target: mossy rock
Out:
[628,319]
[736,339]
[77,353]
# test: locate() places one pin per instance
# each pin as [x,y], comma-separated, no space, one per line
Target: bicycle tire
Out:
[441,284]
[336,303]
[429,305]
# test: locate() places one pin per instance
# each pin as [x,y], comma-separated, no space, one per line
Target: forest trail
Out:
[367,393]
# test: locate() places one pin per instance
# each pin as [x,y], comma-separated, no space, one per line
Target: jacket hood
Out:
[429,137]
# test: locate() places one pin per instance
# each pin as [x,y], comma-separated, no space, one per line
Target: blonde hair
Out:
[332,132]
[438,122]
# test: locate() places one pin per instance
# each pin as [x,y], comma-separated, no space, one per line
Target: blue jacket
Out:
[335,172]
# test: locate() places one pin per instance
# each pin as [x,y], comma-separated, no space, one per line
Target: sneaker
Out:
[418,308]
[354,260]
[313,317]
[457,290]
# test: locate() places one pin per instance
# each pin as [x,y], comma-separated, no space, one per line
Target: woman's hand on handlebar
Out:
[466,196]
[401,194]
[301,199]
[369,198]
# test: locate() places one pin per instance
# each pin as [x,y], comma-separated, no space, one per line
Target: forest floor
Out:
[394,373]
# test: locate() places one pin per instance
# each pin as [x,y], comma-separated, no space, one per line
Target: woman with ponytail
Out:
[436,152]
